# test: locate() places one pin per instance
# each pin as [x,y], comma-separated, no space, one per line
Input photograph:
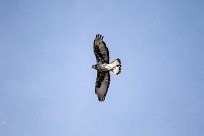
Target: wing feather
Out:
[100,50]
[102,85]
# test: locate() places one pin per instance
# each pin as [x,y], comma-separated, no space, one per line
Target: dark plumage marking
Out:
[99,55]
[100,78]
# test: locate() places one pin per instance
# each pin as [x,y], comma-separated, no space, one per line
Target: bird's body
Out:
[107,67]
[103,67]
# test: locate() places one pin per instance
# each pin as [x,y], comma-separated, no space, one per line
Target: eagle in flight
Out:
[103,67]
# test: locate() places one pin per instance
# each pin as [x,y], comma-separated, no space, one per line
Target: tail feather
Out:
[117,66]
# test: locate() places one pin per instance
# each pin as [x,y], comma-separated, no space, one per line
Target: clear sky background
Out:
[46,80]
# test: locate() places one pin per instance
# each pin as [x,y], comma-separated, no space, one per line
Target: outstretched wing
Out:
[100,50]
[102,84]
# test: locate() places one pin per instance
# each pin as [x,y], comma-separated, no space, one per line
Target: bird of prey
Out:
[103,67]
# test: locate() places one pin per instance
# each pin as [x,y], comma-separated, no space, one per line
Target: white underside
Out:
[109,66]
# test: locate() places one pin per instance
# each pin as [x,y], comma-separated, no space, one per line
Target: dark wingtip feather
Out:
[99,36]
[101,99]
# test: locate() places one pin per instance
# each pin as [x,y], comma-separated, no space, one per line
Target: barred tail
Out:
[116,66]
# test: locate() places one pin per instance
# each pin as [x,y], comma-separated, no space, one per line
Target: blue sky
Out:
[46,80]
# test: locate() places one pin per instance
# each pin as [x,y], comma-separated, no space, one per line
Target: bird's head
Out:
[95,66]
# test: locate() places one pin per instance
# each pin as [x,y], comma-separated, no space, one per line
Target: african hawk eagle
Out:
[103,67]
